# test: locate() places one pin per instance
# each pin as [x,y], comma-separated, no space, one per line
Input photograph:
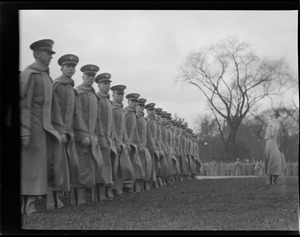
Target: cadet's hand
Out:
[86,141]
[128,148]
[25,140]
[141,149]
[64,137]
[119,149]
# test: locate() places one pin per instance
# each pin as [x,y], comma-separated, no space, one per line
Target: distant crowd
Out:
[242,168]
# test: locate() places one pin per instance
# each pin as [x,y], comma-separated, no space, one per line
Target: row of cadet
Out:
[242,168]
[76,141]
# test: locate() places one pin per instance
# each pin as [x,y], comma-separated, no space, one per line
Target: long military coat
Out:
[150,143]
[166,147]
[131,129]
[163,171]
[175,163]
[125,169]
[63,102]
[144,152]
[85,120]
[43,159]
[106,135]
[182,151]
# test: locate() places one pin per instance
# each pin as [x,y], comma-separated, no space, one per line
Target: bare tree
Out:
[206,126]
[233,80]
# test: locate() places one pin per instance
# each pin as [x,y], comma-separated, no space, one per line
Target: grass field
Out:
[192,204]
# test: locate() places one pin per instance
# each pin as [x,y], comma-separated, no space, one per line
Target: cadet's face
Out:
[88,79]
[118,97]
[68,70]
[132,104]
[150,112]
[157,117]
[104,86]
[44,57]
[140,108]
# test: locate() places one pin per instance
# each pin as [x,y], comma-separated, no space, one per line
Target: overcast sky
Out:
[144,49]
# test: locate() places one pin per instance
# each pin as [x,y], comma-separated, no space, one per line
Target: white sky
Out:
[143,49]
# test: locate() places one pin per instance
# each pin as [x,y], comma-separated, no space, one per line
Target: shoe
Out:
[128,190]
[117,193]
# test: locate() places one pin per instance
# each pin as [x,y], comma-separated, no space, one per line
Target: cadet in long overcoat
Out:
[190,152]
[125,171]
[144,153]
[86,115]
[177,149]
[151,145]
[106,133]
[132,134]
[42,154]
[196,154]
[163,165]
[172,130]
[183,155]
[63,101]
[166,149]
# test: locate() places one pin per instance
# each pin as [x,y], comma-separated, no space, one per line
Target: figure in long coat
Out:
[144,153]
[125,171]
[273,159]
[197,155]
[42,153]
[166,148]
[63,102]
[106,133]
[86,115]
[163,165]
[151,145]
[177,149]
[172,135]
[132,134]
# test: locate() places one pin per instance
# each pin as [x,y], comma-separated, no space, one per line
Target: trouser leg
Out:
[58,199]
[275,179]
[118,186]
[102,192]
[137,186]
[74,196]
[109,192]
[95,193]
[81,195]
[147,185]
[271,179]
[28,204]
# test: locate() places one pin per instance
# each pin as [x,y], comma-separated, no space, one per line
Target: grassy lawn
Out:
[208,204]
